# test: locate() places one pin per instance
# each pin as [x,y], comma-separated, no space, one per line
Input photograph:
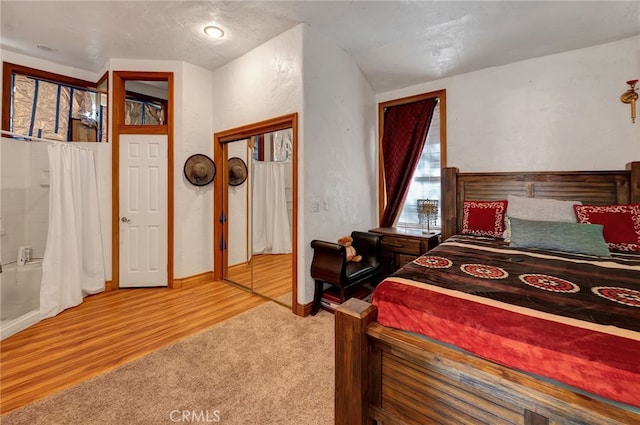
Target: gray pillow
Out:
[541,209]
[559,236]
[538,209]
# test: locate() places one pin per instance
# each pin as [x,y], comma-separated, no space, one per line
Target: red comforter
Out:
[572,318]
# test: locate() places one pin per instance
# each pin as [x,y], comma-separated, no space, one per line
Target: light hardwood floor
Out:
[106,331]
[270,275]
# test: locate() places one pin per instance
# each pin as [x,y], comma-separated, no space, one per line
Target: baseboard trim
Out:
[196,278]
[303,309]
[177,283]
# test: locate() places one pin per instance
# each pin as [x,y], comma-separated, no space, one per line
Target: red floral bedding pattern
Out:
[549,283]
[625,296]
[572,318]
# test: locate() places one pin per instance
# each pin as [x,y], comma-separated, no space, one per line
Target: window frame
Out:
[441,95]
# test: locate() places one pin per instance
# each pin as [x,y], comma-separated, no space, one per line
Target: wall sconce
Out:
[630,96]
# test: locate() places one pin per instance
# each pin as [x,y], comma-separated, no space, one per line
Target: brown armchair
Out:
[329,265]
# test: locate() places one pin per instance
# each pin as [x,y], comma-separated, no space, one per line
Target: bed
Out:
[389,371]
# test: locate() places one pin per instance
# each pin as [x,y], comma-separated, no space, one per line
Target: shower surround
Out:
[24,212]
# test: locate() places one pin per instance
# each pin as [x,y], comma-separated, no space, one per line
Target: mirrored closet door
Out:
[260,214]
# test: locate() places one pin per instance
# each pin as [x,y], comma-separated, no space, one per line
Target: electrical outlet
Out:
[325,205]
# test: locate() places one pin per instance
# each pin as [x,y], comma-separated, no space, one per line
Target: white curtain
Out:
[73,264]
[271,228]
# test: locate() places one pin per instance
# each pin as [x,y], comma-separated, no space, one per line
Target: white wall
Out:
[340,150]
[19,59]
[264,83]
[559,112]
[193,225]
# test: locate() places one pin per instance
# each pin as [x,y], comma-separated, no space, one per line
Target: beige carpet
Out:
[265,366]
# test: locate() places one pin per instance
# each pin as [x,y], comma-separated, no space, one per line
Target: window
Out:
[52,106]
[425,183]
[422,186]
[153,112]
[145,102]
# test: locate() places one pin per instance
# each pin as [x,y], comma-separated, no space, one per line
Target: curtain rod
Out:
[46,141]
[32,138]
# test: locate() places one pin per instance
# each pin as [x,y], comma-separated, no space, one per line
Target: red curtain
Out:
[404,134]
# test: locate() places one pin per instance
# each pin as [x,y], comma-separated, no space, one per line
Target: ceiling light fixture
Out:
[213,31]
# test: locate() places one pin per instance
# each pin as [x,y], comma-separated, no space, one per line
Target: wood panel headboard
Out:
[590,187]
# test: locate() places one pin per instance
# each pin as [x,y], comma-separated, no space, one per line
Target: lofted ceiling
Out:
[395,43]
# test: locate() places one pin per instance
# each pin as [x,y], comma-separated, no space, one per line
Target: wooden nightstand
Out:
[400,246]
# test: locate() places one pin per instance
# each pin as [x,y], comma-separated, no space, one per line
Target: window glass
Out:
[46,109]
[146,102]
[143,113]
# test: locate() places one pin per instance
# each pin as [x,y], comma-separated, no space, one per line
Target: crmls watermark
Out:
[195,416]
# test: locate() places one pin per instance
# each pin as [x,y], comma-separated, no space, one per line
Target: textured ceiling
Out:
[395,43]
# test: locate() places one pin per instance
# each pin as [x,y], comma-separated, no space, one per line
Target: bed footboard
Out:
[391,376]
[352,362]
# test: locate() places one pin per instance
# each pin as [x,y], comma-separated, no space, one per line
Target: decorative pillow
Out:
[541,209]
[621,223]
[538,209]
[559,236]
[484,218]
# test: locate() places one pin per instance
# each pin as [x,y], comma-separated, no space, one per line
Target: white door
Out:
[143,210]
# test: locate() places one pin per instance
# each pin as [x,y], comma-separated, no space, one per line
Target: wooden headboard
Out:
[590,187]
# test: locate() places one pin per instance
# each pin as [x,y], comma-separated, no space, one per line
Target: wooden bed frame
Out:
[395,377]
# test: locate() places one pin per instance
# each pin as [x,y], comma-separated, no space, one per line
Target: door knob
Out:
[125,220]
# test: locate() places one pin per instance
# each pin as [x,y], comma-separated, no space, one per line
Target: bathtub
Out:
[19,297]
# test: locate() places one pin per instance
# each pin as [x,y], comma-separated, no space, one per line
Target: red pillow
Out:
[621,223]
[484,218]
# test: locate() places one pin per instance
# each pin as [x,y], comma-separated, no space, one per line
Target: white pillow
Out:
[538,209]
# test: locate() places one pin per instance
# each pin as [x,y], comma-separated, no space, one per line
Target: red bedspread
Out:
[571,318]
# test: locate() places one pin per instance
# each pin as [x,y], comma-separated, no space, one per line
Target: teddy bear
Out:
[346,241]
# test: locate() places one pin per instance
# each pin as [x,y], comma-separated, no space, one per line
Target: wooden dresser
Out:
[400,246]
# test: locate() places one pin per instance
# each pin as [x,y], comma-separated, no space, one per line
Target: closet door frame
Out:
[221,183]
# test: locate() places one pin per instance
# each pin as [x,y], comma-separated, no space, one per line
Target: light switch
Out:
[315,205]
